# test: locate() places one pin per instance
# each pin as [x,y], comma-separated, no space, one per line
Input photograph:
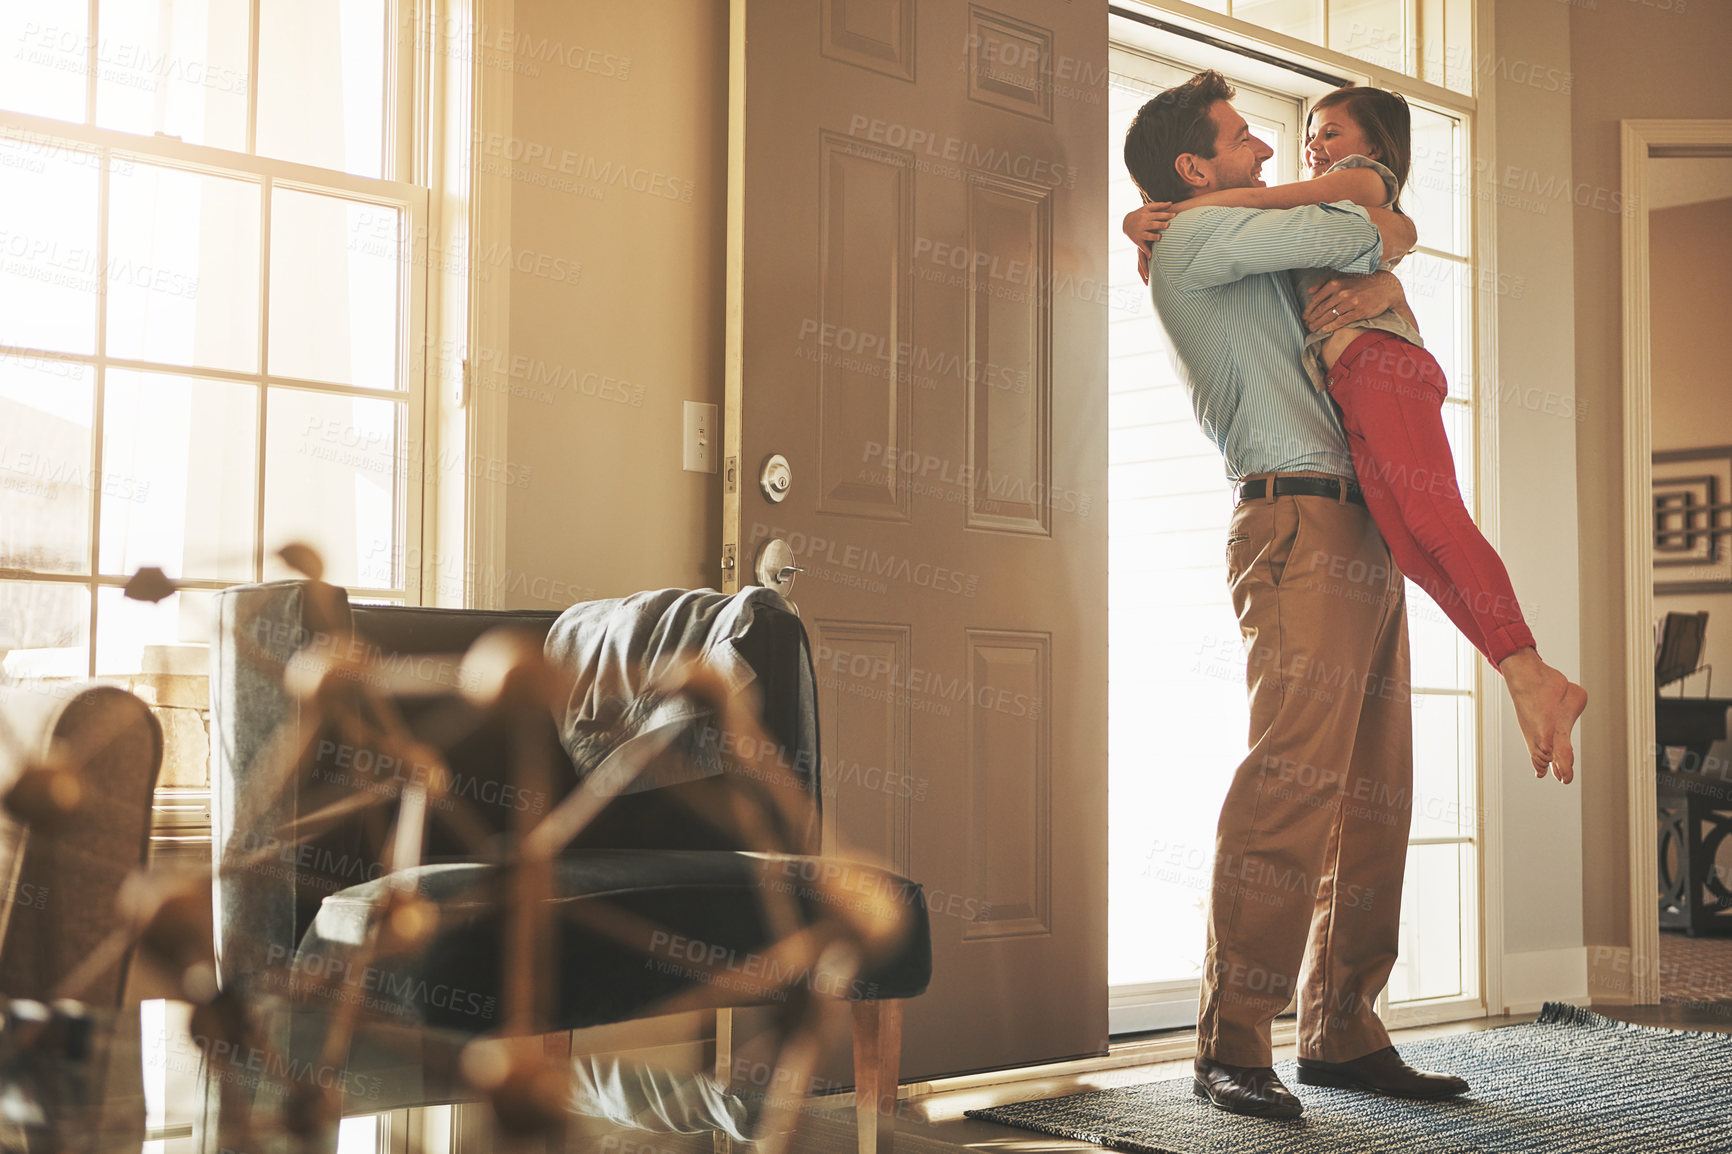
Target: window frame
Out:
[407,61]
[432,72]
[432,68]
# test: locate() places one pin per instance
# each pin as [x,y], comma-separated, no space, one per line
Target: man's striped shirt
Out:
[1220,284]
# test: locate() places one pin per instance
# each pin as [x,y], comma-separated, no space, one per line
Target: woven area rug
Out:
[1572,1081]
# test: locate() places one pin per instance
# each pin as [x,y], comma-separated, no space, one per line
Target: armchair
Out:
[59,881]
[300,857]
[59,884]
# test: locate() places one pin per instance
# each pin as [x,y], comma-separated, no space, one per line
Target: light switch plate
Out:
[701,434]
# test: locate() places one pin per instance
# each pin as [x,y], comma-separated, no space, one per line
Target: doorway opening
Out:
[1689,217]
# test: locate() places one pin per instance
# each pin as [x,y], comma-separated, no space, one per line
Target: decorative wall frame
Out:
[1692,513]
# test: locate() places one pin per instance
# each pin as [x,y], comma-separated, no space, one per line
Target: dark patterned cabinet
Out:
[1695,817]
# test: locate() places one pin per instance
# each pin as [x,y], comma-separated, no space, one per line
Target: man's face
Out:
[1239,156]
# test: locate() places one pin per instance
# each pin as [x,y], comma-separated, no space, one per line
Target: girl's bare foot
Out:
[1575,700]
[1547,705]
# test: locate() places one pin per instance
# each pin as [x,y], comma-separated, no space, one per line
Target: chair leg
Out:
[720,1143]
[877,1052]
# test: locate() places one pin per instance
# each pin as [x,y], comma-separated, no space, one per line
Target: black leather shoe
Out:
[1382,1072]
[1253,1090]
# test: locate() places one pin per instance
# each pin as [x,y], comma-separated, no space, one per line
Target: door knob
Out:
[775,568]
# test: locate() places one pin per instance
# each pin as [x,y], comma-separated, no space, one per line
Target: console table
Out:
[1695,815]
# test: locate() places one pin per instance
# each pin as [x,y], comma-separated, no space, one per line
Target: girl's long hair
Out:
[1384,119]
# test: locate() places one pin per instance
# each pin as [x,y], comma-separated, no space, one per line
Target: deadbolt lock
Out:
[775,478]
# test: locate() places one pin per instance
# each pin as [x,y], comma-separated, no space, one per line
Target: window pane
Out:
[1284,144]
[358,1135]
[45,409]
[48,256]
[332,471]
[1433,41]
[1438,285]
[1443,37]
[163,652]
[1442,761]
[1458,427]
[1174,636]
[43,43]
[1439,656]
[141,636]
[44,630]
[1436,185]
[1435,290]
[177,67]
[183,255]
[322,83]
[1374,31]
[334,274]
[191,445]
[1292,17]
[1458,44]
[1430,962]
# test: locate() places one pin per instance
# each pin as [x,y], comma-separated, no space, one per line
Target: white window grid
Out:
[408,391]
[1431,38]
[105,147]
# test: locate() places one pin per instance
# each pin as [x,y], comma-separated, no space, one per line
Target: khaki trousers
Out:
[1312,842]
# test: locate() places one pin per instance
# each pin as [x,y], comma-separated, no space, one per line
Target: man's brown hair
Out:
[1169,125]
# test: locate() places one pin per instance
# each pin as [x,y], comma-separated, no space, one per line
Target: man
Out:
[1312,840]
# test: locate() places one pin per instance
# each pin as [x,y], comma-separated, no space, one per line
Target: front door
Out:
[917,324]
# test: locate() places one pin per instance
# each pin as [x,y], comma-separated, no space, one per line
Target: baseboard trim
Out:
[1616,977]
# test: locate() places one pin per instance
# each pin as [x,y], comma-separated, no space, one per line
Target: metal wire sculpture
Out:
[345,689]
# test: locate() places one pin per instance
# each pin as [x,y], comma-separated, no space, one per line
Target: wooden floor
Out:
[1716,1016]
[1695,969]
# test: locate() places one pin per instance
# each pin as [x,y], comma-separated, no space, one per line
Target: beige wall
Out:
[1630,60]
[1692,271]
[1533,389]
[1691,265]
[607,509]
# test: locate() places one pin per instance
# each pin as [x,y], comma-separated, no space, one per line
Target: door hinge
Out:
[731,482]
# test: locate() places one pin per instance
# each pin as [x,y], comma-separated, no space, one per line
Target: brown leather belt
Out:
[1257,489]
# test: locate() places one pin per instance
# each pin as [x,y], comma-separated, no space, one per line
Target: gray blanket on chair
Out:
[618,649]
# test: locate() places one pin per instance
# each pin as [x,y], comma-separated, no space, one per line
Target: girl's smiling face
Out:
[1331,135]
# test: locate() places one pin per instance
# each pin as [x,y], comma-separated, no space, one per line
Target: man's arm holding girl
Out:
[1357,293]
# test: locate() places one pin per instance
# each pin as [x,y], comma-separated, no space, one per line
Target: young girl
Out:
[1390,392]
